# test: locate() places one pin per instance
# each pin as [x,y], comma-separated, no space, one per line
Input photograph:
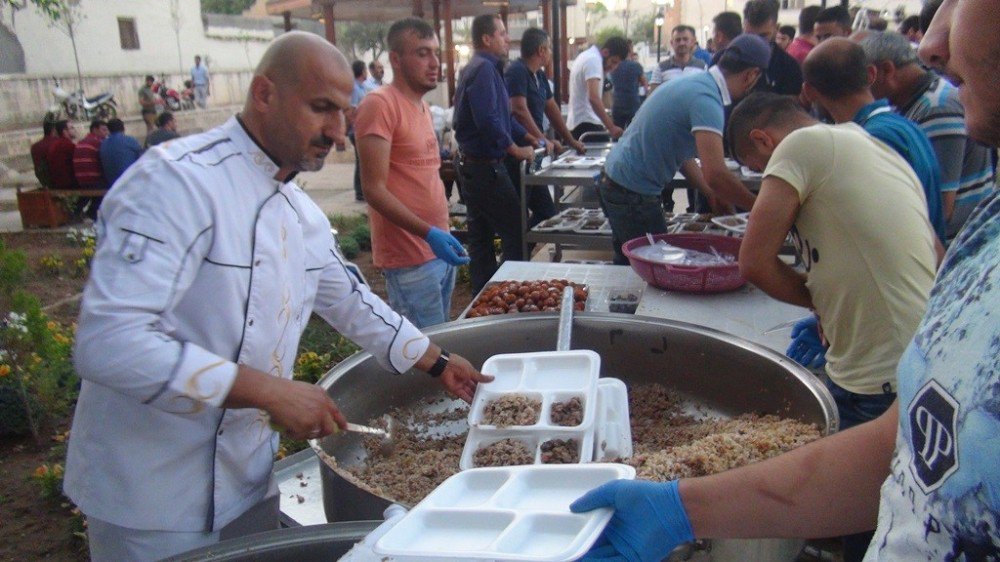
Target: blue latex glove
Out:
[649,520]
[446,247]
[806,347]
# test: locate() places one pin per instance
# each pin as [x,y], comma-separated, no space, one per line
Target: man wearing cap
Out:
[681,120]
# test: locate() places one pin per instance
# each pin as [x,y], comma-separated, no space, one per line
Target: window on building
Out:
[128,34]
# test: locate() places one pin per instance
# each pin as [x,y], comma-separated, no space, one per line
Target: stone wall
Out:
[15,145]
[25,99]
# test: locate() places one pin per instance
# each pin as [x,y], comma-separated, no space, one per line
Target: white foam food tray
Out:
[505,513]
[558,224]
[734,223]
[550,377]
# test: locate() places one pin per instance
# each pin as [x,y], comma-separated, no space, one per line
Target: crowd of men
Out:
[212,260]
[95,162]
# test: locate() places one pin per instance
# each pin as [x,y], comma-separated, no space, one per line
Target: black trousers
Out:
[493,208]
[582,128]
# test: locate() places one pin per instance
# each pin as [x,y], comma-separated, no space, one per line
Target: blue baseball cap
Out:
[750,49]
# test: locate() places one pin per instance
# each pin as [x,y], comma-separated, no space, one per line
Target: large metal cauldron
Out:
[726,374]
[315,543]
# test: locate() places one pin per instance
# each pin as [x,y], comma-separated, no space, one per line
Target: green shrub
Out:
[37,382]
[349,246]
[363,236]
[13,268]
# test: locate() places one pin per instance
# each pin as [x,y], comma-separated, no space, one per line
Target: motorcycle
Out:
[78,106]
[171,99]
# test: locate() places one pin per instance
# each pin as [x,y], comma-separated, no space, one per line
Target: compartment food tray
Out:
[547,376]
[505,513]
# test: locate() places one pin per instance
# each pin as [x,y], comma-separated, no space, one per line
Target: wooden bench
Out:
[40,206]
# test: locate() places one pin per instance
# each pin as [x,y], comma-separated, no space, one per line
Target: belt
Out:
[477,160]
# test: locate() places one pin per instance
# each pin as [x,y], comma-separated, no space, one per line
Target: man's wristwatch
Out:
[439,366]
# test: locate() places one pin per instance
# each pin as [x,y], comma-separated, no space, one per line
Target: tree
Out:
[644,29]
[593,13]
[51,9]
[606,33]
[234,7]
[360,37]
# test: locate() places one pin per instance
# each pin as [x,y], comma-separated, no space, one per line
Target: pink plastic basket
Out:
[691,279]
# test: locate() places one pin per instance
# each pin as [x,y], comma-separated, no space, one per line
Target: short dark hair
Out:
[47,126]
[788,30]
[485,24]
[835,14]
[164,118]
[683,28]
[911,23]
[149,77]
[760,110]
[61,126]
[839,72]
[97,124]
[731,63]
[877,23]
[617,46]
[927,14]
[358,68]
[532,41]
[394,38]
[759,12]
[729,23]
[807,18]
[116,125]
[371,65]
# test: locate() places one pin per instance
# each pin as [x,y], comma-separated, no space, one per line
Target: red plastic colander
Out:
[691,279]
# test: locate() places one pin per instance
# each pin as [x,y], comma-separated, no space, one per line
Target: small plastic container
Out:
[625,302]
[613,434]
[505,513]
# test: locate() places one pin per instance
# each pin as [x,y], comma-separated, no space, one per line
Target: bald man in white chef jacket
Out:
[209,262]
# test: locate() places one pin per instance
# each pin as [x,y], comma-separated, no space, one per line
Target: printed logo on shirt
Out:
[933,414]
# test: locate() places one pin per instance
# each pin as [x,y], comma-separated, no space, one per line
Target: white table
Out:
[747,312]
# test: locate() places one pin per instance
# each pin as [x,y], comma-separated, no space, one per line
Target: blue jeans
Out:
[631,215]
[856,409]
[422,293]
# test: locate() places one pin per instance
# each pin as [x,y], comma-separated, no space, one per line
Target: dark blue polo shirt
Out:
[533,87]
[483,124]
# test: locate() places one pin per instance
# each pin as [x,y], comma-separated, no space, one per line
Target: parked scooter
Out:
[171,98]
[78,106]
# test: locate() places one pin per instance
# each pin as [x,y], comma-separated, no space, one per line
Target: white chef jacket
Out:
[203,261]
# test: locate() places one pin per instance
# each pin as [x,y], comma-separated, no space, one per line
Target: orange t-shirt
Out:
[414,176]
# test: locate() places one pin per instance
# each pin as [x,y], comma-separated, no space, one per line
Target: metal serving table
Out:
[583,183]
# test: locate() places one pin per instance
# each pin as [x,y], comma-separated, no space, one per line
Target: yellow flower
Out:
[51,325]
[41,471]
[4,370]
[60,338]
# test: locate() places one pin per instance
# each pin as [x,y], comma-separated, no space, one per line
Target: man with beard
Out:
[400,160]
[932,454]
[209,265]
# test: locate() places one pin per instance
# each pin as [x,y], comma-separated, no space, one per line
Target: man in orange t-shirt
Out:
[400,162]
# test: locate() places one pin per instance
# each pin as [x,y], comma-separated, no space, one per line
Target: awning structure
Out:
[441,11]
